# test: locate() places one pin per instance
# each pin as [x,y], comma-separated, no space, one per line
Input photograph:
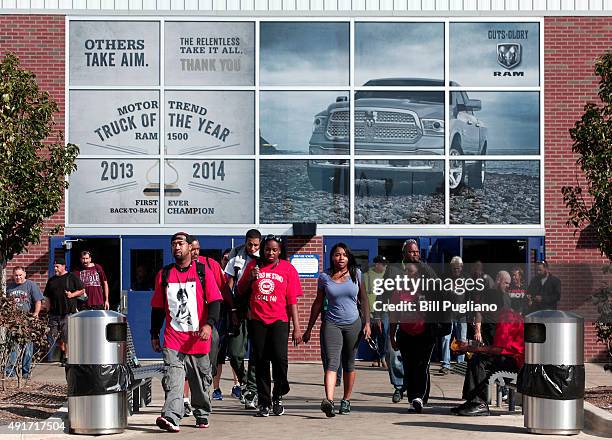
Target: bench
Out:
[499,379]
[140,392]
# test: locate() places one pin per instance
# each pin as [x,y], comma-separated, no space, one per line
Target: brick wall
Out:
[38,41]
[306,245]
[571,46]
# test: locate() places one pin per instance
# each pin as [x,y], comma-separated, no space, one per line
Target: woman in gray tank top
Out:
[342,287]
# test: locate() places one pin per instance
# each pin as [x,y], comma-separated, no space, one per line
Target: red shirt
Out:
[276,288]
[186,310]
[411,323]
[93,279]
[216,270]
[509,335]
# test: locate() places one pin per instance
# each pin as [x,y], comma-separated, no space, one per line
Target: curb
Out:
[597,420]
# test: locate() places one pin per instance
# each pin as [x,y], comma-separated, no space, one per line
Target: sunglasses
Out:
[270,237]
[373,345]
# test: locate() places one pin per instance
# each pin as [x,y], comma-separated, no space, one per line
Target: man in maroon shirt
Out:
[96,285]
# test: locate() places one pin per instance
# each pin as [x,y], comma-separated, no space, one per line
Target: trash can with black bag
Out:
[96,372]
[552,379]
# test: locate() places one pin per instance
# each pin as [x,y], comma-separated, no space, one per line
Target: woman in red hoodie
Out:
[274,286]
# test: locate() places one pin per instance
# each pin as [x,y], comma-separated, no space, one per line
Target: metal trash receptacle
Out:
[552,380]
[96,372]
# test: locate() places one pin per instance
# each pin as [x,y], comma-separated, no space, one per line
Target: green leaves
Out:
[32,167]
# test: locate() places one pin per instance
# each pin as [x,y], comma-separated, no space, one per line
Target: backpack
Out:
[200,269]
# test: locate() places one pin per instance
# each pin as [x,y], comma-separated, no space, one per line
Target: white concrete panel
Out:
[386,5]
[595,5]
[442,5]
[303,5]
[289,5]
[456,5]
[37,4]
[526,5]
[9,4]
[51,4]
[247,5]
[98,4]
[344,5]
[23,4]
[512,5]
[607,5]
[275,5]
[470,5]
[372,5]
[359,5]
[122,5]
[330,5]
[484,5]
[76,4]
[539,5]
[316,5]
[205,5]
[429,5]
[568,5]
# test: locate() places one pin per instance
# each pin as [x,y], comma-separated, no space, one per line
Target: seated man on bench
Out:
[506,354]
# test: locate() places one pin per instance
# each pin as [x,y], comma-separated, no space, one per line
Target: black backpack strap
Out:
[164,280]
[201,270]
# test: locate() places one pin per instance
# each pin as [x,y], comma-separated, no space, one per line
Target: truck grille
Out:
[375,126]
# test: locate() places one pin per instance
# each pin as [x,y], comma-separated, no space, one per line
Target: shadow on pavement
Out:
[486,427]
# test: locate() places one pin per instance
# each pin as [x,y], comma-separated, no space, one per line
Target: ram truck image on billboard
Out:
[399,122]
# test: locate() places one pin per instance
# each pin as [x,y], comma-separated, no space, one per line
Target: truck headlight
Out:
[318,126]
[433,127]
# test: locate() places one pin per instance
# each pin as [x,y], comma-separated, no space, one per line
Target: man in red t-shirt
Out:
[506,354]
[96,285]
[190,310]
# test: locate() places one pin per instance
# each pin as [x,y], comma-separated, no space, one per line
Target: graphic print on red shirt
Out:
[277,286]
[186,310]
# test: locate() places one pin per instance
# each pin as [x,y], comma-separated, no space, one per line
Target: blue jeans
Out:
[459,330]
[394,360]
[26,361]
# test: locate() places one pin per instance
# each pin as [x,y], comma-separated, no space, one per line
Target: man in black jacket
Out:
[544,291]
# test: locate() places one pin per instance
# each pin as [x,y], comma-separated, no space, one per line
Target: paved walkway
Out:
[373,415]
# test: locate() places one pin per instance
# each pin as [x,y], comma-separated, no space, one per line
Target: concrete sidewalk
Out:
[373,414]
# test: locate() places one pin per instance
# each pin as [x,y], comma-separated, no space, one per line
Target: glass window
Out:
[399,191]
[114,191]
[125,122]
[398,50]
[496,192]
[144,265]
[399,122]
[209,53]
[494,54]
[305,54]
[114,53]
[304,191]
[304,122]
[495,123]
[209,122]
[209,191]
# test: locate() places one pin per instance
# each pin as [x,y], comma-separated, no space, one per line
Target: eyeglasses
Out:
[273,237]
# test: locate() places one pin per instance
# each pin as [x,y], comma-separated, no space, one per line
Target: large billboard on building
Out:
[188,131]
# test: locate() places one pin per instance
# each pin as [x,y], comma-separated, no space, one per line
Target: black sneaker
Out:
[250,401]
[188,408]
[277,407]
[327,406]
[264,411]
[398,395]
[202,422]
[167,424]
[345,407]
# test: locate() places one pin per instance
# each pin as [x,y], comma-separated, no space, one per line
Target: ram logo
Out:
[509,54]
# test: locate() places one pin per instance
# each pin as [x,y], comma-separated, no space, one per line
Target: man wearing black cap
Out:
[62,291]
[188,299]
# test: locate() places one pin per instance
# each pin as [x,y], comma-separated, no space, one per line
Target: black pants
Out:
[416,355]
[480,368]
[270,347]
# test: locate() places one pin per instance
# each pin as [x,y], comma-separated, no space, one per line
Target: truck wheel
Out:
[456,177]
[476,175]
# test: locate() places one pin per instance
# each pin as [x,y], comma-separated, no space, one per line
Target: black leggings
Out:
[270,347]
